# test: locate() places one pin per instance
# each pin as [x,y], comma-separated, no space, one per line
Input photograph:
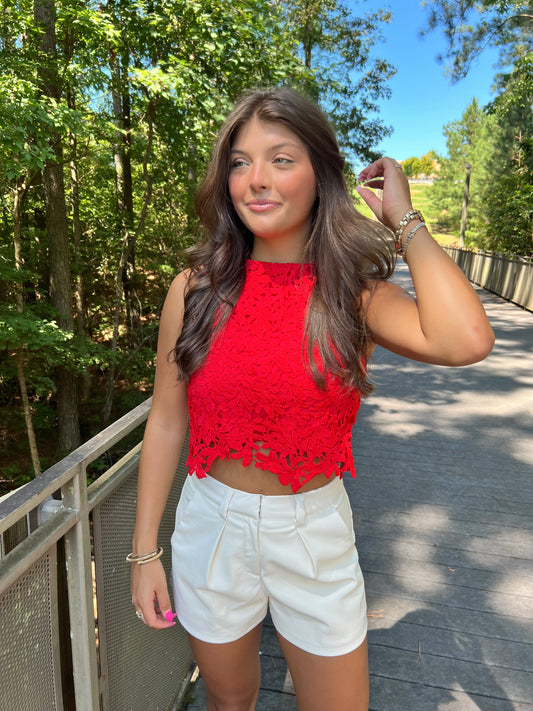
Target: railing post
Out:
[80,593]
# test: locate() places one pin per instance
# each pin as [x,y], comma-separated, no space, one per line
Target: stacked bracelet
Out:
[410,237]
[142,558]
[406,219]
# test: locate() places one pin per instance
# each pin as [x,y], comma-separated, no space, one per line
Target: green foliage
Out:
[153,80]
[420,167]
[511,216]
[52,345]
[470,141]
[337,44]
[497,142]
[472,25]
[502,160]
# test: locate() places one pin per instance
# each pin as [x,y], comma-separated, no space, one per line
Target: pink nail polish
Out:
[169,615]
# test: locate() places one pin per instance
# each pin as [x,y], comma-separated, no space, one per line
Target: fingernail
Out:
[170,615]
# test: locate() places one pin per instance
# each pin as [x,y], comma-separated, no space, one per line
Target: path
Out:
[443,513]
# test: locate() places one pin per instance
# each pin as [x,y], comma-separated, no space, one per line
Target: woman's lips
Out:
[261,205]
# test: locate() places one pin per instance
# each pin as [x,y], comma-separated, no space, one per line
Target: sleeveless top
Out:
[255,400]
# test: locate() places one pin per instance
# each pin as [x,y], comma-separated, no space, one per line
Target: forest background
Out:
[108,112]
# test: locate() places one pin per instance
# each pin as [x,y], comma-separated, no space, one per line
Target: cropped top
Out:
[254,399]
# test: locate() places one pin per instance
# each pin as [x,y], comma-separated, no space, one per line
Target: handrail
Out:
[71,570]
[24,499]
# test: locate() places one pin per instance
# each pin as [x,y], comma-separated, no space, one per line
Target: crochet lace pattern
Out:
[253,398]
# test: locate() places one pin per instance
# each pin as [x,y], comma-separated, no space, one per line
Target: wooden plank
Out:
[479,679]
[367,507]
[421,638]
[445,570]
[443,516]
[388,694]
[520,547]
[389,607]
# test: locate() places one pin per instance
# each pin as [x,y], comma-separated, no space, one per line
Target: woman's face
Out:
[273,188]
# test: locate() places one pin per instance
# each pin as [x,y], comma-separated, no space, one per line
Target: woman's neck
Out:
[282,251]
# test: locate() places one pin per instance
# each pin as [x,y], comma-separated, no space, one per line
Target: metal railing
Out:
[69,635]
[508,277]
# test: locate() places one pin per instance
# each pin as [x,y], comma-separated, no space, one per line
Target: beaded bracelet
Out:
[142,558]
[410,237]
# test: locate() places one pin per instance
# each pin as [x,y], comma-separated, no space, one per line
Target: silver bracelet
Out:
[410,237]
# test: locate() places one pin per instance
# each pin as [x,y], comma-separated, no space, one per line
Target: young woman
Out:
[263,352]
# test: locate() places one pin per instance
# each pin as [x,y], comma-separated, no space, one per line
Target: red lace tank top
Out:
[254,399]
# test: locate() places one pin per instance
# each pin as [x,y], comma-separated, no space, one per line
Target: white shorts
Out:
[235,554]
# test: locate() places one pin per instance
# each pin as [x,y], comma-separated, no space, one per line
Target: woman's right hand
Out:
[387,175]
[149,594]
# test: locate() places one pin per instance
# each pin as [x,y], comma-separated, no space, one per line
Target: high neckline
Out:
[279,272]
[273,265]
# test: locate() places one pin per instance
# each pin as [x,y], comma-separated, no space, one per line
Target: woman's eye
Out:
[238,163]
[282,159]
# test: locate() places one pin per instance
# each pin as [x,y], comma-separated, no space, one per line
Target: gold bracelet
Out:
[406,219]
[142,558]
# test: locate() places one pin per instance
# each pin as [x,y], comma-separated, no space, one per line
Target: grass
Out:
[421,197]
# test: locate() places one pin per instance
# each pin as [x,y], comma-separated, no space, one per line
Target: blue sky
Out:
[423,100]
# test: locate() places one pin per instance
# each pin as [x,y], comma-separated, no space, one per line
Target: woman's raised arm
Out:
[446,324]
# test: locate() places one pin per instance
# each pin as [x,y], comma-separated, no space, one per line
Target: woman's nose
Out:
[259,178]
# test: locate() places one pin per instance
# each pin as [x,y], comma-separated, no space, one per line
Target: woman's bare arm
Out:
[446,324]
[163,440]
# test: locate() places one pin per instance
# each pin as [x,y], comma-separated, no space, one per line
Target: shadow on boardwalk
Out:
[442,508]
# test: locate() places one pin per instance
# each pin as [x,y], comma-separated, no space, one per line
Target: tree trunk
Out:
[124,188]
[77,261]
[58,238]
[17,214]
[123,262]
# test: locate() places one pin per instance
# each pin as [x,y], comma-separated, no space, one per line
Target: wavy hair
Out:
[347,249]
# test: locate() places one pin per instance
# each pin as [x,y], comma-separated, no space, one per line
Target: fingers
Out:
[395,198]
[381,168]
[153,613]
[150,596]
[372,200]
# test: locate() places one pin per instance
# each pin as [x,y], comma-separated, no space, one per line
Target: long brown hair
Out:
[347,249]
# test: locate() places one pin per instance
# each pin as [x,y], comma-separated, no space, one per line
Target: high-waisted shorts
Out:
[234,555]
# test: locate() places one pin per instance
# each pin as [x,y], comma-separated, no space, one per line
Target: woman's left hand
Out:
[387,175]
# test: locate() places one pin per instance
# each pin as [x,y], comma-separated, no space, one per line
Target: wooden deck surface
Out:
[443,515]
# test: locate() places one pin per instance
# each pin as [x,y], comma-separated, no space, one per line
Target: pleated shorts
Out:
[235,555]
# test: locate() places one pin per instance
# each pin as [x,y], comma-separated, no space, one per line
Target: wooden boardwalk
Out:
[443,514]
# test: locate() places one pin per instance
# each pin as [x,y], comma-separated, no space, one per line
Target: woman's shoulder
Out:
[182,283]
[177,292]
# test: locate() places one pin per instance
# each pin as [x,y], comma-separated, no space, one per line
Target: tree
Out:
[56,224]
[511,165]
[472,25]
[108,112]
[507,187]
[470,140]
[337,46]
[181,65]
[423,166]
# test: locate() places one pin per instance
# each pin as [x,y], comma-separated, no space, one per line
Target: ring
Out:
[397,165]
[139,614]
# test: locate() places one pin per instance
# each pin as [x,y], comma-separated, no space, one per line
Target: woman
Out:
[263,344]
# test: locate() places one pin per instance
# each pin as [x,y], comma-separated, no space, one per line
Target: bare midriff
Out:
[256,481]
